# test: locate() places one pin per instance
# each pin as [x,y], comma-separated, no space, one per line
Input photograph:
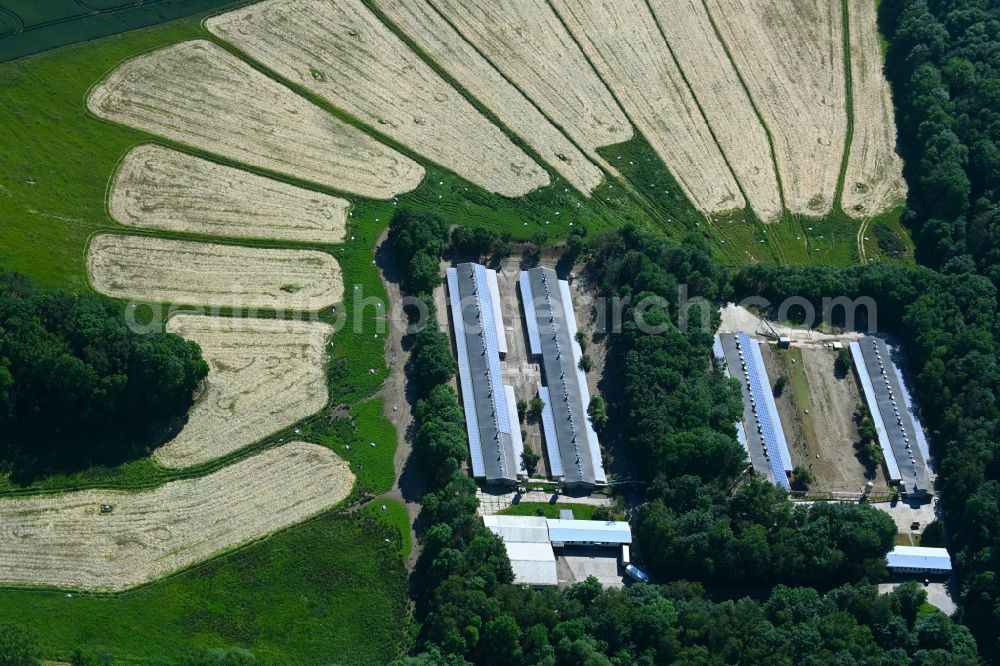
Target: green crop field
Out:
[33,26]
[328,591]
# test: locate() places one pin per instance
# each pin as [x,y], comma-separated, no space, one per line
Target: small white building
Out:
[533,563]
[529,541]
[526,529]
[918,559]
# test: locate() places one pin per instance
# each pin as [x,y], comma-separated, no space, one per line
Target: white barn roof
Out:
[589,530]
[919,557]
[524,529]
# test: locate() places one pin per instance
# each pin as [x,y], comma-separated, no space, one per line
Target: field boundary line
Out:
[478,105]
[753,103]
[596,158]
[18,22]
[751,213]
[606,167]
[150,137]
[845,19]
[656,214]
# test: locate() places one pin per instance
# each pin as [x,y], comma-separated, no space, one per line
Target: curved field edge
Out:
[103,540]
[335,574]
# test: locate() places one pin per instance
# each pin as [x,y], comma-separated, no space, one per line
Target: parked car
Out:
[635,573]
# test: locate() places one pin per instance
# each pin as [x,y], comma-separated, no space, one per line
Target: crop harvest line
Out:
[848,104]
[599,162]
[473,100]
[753,103]
[651,208]
[862,230]
[701,111]
[609,170]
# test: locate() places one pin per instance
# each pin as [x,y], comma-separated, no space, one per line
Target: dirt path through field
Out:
[398,398]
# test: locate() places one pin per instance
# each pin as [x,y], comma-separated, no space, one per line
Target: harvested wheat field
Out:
[728,109]
[184,273]
[159,188]
[264,375]
[343,53]
[199,94]
[435,36]
[529,45]
[791,55]
[65,541]
[623,42]
[874,178]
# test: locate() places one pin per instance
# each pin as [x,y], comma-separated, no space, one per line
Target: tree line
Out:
[943,63]
[77,387]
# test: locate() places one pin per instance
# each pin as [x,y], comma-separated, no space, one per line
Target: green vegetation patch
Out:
[328,591]
[395,516]
[54,23]
[580,511]
[351,436]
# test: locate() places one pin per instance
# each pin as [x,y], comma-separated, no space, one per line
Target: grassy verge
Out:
[395,516]
[328,591]
[580,511]
[352,438]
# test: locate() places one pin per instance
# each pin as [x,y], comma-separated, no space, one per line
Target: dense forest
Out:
[944,66]
[77,387]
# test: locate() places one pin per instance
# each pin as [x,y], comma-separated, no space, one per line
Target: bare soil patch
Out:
[421,23]
[184,273]
[343,53]
[874,178]
[200,95]
[159,188]
[66,541]
[791,55]
[527,42]
[817,413]
[264,375]
[623,42]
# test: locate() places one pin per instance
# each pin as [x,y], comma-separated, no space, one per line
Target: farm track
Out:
[850,104]
[66,541]
[342,53]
